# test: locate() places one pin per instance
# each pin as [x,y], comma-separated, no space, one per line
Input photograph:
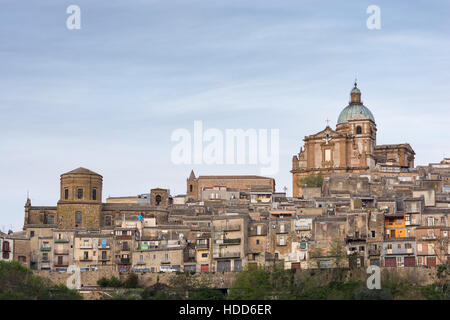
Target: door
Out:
[410,261]
[390,262]
[224,266]
[295,265]
[431,261]
[204,268]
[60,260]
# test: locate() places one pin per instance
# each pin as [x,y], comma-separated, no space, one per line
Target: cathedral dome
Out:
[355,110]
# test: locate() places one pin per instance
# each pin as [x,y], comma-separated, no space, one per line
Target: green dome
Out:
[355,111]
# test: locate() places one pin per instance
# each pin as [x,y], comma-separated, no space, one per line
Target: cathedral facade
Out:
[351,147]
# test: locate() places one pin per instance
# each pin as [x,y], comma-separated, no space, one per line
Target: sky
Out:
[108,96]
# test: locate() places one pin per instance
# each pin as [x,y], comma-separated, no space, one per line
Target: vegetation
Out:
[312,180]
[330,284]
[111,282]
[19,283]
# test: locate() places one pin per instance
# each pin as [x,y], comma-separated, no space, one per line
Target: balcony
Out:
[374,252]
[255,233]
[61,240]
[303,228]
[227,255]
[140,263]
[46,248]
[202,246]
[104,247]
[231,241]
[86,246]
[124,260]
[165,262]
[61,252]
[429,238]
[86,259]
[61,265]
[228,228]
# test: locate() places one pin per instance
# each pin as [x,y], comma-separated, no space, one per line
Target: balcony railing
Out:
[165,262]
[124,260]
[104,247]
[87,246]
[228,228]
[46,248]
[227,255]
[374,252]
[303,228]
[141,263]
[61,265]
[202,246]
[232,241]
[61,252]
[429,238]
[61,240]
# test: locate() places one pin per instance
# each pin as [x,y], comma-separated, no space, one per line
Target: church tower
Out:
[358,123]
[80,201]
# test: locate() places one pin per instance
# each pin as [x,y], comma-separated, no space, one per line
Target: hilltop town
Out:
[354,204]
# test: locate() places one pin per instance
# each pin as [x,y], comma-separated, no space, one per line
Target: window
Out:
[78,218]
[358,130]
[389,246]
[94,194]
[190,188]
[80,193]
[108,220]
[419,247]
[51,219]
[31,234]
[158,199]
[66,194]
[85,255]
[408,245]
[258,230]
[257,241]
[399,245]
[430,221]
[327,155]
[373,233]
[45,256]
[204,255]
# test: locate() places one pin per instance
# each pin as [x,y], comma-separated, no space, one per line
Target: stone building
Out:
[351,147]
[195,186]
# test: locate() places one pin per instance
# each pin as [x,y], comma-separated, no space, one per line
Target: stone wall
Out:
[419,276]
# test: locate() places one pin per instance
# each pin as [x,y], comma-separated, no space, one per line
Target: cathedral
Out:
[351,147]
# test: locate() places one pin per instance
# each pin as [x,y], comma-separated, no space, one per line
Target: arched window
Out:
[190,188]
[158,199]
[78,218]
[108,220]
[358,130]
[80,193]
[94,194]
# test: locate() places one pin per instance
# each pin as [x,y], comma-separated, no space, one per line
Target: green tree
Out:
[312,180]
[19,283]
[132,281]
[251,284]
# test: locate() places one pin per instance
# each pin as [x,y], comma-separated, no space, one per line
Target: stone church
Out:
[351,147]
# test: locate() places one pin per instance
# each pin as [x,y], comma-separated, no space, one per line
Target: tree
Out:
[312,180]
[19,283]
[132,281]
[251,284]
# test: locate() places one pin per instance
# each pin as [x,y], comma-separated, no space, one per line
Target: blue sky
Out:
[108,96]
